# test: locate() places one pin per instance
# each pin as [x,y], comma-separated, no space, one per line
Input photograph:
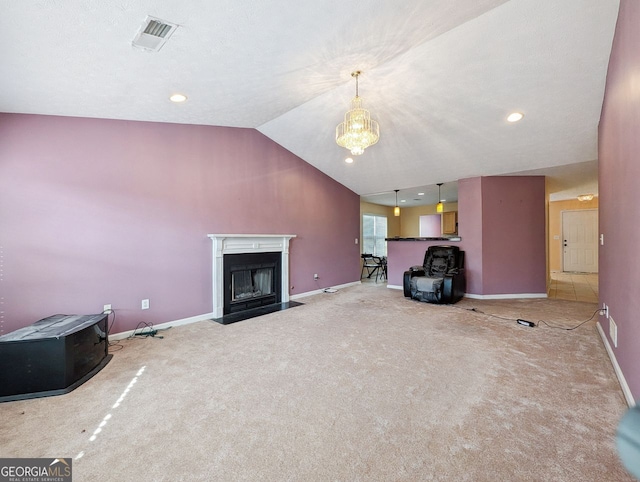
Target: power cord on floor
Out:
[531,324]
[572,328]
[476,310]
[151,332]
[324,290]
[115,345]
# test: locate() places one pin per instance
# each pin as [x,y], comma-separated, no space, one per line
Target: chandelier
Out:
[358,131]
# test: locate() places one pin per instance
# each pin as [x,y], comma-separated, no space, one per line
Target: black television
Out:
[52,356]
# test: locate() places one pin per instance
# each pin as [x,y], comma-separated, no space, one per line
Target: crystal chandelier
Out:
[358,131]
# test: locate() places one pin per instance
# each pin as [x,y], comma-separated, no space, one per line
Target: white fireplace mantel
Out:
[246,243]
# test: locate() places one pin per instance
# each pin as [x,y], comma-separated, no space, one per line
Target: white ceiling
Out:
[440,77]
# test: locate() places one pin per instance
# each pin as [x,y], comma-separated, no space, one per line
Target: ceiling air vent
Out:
[153,34]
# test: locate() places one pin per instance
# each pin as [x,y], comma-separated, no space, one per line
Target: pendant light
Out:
[396,210]
[439,206]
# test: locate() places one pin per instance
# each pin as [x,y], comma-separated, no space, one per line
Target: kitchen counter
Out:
[442,238]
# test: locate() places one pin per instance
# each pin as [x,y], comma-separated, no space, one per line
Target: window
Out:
[374,230]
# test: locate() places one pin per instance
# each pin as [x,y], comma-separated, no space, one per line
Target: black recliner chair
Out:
[440,279]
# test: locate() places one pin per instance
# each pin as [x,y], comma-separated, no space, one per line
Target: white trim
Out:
[247,243]
[162,326]
[490,297]
[510,296]
[317,292]
[209,316]
[623,382]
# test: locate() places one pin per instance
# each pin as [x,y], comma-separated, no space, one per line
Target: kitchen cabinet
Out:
[450,222]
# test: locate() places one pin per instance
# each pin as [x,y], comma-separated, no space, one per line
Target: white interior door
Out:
[580,241]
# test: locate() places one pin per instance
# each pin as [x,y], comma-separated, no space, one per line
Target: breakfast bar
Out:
[403,253]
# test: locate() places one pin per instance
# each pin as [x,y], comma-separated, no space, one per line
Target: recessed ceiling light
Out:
[403,200]
[349,160]
[420,194]
[515,117]
[177,98]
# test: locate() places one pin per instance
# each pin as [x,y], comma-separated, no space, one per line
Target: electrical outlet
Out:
[315,276]
[145,304]
[613,332]
[356,240]
[602,240]
[106,308]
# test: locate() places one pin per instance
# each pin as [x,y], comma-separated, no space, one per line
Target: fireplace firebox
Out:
[251,280]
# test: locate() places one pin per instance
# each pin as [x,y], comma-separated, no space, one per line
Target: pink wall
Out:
[502,226]
[513,235]
[619,178]
[102,211]
[470,230]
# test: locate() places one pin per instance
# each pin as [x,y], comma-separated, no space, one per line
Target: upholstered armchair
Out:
[440,279]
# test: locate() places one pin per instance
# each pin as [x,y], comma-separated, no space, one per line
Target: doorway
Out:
[580,241]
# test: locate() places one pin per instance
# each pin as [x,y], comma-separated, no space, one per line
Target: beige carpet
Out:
[358,385]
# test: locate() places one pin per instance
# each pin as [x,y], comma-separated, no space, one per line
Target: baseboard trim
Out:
[317,292]
[621,379]
[509,296]
[163,326]
[210,316]
[491,297]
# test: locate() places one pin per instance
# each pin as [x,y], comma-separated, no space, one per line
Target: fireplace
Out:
[250,286]
[251,280]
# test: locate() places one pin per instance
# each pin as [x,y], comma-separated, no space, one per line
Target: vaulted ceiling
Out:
[440,77]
